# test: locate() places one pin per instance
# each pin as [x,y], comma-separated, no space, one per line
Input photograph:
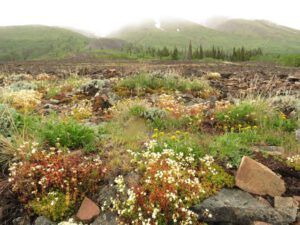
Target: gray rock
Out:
[238,207]
[297,133]
[21,221]
[41,220]
[107,218]
[286,205]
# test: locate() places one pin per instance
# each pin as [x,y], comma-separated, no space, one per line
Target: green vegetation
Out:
[54,205]
[68,134]
[250,34]
[143,82]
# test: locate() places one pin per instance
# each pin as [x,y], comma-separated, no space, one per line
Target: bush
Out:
[68,133]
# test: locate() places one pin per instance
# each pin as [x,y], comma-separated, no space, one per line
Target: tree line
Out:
[191,53]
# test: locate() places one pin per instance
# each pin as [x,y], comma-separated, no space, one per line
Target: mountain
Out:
[43,42]
[270,37]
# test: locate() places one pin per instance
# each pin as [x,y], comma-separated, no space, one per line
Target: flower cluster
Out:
[24,100]
[69,222]
[171,184]
[294,161]
[39,172]
[82,110]
[237,118]
[178,109]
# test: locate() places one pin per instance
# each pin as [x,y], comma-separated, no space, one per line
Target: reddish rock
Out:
[256,178]
[297,198]
[88,211]
[260,223]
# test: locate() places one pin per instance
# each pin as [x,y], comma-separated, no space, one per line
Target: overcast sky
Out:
[103,16]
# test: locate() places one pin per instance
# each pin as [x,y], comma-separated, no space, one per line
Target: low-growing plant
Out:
[54,205]
[181,142]
[41,171]
[10,120]
[68,133]
[231,147]
[142,83]
[171,184]
[23,100]
[22,85]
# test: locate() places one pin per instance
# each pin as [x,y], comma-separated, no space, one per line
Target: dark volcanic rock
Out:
[238,207]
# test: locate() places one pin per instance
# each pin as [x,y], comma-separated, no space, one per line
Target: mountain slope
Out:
[44,42]
[232,33]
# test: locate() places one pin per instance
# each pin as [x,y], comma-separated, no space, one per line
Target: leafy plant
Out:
[69,133]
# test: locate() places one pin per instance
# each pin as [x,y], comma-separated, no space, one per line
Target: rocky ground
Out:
[245,116]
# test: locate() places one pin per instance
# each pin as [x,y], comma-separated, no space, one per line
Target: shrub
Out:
[39,172]
[55,205]
[68,133]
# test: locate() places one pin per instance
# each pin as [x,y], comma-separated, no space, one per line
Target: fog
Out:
[101,17]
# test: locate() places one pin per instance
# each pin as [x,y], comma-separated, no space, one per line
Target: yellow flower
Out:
[173,137]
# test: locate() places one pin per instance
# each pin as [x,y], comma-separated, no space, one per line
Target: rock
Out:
[297,133]
[87,211]
[101,102]
[132,179]
[293,79]
[92,87]
[238,207]
[54,101]
[21,221]
[297,198]
[107,218]
[287,205]
[261,223]
[1,213]
[273,150]
[41,220]
[264,201]
[213,76]
[256,178]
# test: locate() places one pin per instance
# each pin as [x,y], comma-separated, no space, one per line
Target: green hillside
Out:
[39,42]
[44,42]
[251,34]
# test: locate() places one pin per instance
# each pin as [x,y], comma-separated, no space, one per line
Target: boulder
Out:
[238,207]
[287,205]
[107,218]
[88,211]
[256,178]
[41,220]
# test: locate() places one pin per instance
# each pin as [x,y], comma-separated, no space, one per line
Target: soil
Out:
[288,174]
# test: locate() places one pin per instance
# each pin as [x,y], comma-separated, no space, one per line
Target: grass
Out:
[144,82]
[68,134]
